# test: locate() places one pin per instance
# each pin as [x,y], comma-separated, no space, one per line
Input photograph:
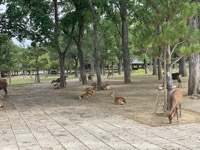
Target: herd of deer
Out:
[89,92]
[174,100]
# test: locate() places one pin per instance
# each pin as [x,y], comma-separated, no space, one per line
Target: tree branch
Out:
[176,46]
[177,60]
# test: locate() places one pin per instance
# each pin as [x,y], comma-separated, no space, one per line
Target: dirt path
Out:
[140,96]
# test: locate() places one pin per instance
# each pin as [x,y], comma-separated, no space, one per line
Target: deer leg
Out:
[177,114]
[5,90]
[180,109]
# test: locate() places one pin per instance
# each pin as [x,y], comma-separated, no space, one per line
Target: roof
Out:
[136,61]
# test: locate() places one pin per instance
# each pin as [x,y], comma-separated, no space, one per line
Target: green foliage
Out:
[187,50]
[6,62]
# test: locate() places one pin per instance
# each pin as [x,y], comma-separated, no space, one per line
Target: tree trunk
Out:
[154,67]
[168,74]
[125,43]
[61,54]
[92,61]
[159,69]
[80,51]
[194,64]
[37,75]
[76,67]
[96,48]
[62,69]
[158,30]
[182,67]
[145,66]
[194,74]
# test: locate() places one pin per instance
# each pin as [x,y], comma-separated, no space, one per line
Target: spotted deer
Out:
[117,100]
[175,100]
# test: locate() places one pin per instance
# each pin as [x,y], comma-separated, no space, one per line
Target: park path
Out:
[26,124]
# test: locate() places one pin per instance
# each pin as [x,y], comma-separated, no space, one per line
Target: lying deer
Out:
[57,86]
[90,77]
[94,86]
[105,87]
[117,100]
[87,95]
[58,80]
[175,100]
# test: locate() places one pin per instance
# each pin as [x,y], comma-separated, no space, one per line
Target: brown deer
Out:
[90,77]
[105,87]
[109,74]
[87,95]
[176,76]
[57,86]
[1,99]
[117,100]
[175,100]
[3,85]
[58,80]
[94,86]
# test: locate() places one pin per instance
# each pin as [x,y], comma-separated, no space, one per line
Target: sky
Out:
[23,44]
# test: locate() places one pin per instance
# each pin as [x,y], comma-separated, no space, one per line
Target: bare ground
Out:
[140,95]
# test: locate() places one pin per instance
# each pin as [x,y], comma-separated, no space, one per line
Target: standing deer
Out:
[109,74]
[117,100]
[1,99]
[176,76]
[175,100]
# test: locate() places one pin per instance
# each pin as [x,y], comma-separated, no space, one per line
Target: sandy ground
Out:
[140,95]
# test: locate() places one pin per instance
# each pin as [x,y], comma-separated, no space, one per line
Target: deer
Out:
[87,95]
[57,86]
[3,85]
[109,74]
[94,86]
[176,76]
[90,77]
[175,100]
[106,87]
[117,100]
[1,103]
[58,80]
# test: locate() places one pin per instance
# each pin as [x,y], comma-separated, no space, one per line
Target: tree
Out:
[170,21]
[96,48]
[35,52]
[194,62]
[43,26]
[57,33]
[125,41]
[82,7]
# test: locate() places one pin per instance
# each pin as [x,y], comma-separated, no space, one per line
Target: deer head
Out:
[169,114]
